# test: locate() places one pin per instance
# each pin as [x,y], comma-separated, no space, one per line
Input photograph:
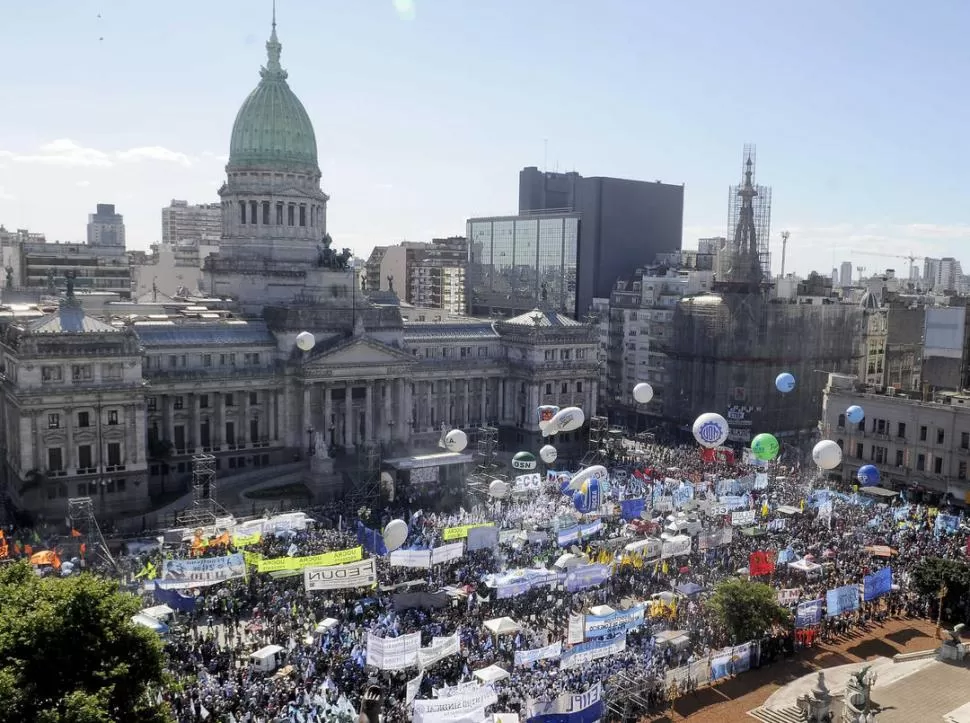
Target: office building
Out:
[845,274]
[950,276]
[519,263]
[105,227]
[624,223]
[919,442]
[182,222]
[427,275]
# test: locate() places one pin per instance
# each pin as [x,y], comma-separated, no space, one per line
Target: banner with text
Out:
[549,652]
[447,553]
[201,572]
[619,622]
[439,649]
[586,707]
[341,577]
[461,531]
[393,653]
[410,558]
[584,653]
[324,559]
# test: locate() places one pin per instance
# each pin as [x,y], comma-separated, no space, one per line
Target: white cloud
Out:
[83,184]
[405,8]
[221,157]
[4,196]
[65,152]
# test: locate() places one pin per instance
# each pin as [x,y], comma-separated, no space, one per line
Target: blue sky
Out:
[426,111]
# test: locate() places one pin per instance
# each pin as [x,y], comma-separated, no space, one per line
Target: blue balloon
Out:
[855,414]
[564,487]
[581,502]
[784,382]
[868,474]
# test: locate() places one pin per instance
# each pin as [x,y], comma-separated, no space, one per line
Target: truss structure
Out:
[629,699]
[364,487]
[486,466]
[86,534]
[596,449]
[205,509]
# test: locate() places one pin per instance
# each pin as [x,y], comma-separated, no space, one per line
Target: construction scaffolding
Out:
[744,262]
[204,509]
[486,466]
[365,490]
[86,534]
[629,698]
[596,449]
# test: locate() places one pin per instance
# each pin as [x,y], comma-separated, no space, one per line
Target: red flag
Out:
[760,563]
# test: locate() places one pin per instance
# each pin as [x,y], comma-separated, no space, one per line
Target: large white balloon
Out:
[548,454]
[596,471]
[642,393]
[566,420]
[498,489]
[711,430]
[395,534]
[456,440]
[827,454]
[305,340]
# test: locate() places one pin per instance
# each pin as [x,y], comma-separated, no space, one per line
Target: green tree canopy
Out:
[746,609]
[932,574]
[69,652]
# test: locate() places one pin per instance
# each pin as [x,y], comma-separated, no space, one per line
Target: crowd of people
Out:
[323,672]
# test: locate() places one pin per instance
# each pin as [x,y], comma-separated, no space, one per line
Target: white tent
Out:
[804,565]
[666,596]
[569,560]
[601,610]
[502,626]
[151,623]
[491,674]
[159,612]
[325,624]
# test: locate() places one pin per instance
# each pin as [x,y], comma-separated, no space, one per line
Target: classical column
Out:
[429,400]
[348,415]
[482,420]
[327,412]
[243,432]
[369,412]
[500,402]
[69,445]
[466,418]
[388,430]
[272,423]
[307,391]
[218,434]
[406,409]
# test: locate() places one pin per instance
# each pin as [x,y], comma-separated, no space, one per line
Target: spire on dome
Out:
[273,68]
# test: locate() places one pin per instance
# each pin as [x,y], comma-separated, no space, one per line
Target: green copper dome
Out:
[272,129]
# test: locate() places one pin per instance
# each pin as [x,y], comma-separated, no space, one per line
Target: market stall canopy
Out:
[878,492]
[502,626]
[491,674]
[804,565]
[675,638]
[569,560]
[601,611]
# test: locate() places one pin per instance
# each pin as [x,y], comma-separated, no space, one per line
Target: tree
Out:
[746,609]
[933,574]
[69,652]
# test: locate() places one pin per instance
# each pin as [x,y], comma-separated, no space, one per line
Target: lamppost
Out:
[310,444]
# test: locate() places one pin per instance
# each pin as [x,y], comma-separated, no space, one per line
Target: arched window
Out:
[242,212]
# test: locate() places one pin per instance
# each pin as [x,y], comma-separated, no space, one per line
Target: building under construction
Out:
[729,345]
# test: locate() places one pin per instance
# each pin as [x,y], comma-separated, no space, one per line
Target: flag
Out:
[760,563]
[75,533]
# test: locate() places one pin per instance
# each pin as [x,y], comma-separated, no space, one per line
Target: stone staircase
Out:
[791,714]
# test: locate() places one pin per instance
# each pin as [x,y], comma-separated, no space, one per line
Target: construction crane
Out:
[784,248]
[911,258]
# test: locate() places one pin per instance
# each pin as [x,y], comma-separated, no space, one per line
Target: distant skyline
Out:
[426,110]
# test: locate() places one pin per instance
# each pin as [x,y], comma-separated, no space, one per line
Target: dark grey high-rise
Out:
[624,224]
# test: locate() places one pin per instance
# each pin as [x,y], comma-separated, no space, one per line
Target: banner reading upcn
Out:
[200,572]
[325,559]
[341,577]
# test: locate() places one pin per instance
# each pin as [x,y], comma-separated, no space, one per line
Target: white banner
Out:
[201,572]
[566,705]
[550,652]
[413,686]
[393,653]
[341,577]
[439,648]
[447,553]
[462,706]
[411,558]
[743,517]
[788,596]
[594,650]
[675,546]
[448,691]
[577,629]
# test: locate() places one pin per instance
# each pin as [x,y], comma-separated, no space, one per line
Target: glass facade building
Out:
[519,263]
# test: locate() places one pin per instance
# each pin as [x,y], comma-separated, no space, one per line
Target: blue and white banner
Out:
[632,509]
[722,664]
[568,708]
[584,653]
[619,622]
[549,652]
[843,599]
[584,576]
[482,538]
[741,658]
[201,572]
[877,584]
[808,614]
[569,535]
[949,524]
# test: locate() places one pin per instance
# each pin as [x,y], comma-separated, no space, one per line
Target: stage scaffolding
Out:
[365,490]
[86,533]
[205,508]
[486,466]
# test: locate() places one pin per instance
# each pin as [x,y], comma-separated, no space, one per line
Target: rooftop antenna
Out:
[784,248]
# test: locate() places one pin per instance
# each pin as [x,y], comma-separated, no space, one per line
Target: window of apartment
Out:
[465,351]
[207,360]
[179,402]
[81,372]
[152,403]
[879,455]
[858,450]
[900,456]
[565,388]
[232,358]
[84,457]
[841,422]
[114,454]
[290,212]
[881,426]
[55,459]
[938,465]
[51,374]
[302,215]
[222,360]
[861,426]
[203,401]
[566,354]
[550,354]
[112,417]
[111,371]
[579,387]
[548,387]
[266,213]
[962,470]
[580,353]
[279,213]
[921,462]
[922,433]
[253,211]
[230,400]
[84,420]
[253,398]
[53,421]
[939,436]
[901,430]
[964,440]
[230,432]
